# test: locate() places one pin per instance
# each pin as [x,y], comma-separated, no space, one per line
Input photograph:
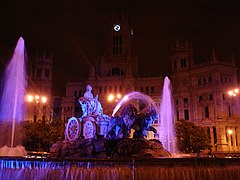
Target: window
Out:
[200,98]
[186,114]
[147,90]
[116,72]
[152,89]
[75,93]
[229,111]
[184,62]
[177,102]
[185,102]
[141,89]
[206,112]
[100,89]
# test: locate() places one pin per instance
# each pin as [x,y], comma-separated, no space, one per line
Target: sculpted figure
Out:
[143,123]
[130,119]
[90,104]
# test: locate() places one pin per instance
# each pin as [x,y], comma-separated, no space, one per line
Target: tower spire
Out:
[214,58]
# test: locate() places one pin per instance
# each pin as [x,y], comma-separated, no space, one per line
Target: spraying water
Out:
[167,132]
[12,95]
[135,96]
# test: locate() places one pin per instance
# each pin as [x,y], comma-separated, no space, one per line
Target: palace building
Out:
[201,95]
[200,90]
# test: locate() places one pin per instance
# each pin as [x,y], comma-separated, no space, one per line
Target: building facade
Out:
[115,75]
[199,89]
[201,95]
[39,91]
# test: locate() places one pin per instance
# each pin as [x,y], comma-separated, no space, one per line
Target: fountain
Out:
[12,102]
[95,134]
[167,132]
[97,146]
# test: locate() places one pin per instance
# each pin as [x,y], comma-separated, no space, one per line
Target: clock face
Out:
[116,27]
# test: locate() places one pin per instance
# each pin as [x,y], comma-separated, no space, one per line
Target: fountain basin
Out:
[150,168]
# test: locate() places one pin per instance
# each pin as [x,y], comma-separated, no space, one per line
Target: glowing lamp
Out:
[44,99]
[110,97]
[230,131]
[236,90]
[29,98]
[119,96]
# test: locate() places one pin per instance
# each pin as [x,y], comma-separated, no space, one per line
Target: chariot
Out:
[92,123]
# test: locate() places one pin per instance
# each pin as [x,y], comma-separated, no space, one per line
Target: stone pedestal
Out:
[102,127]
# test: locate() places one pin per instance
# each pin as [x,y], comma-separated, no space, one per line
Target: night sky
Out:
[75,31]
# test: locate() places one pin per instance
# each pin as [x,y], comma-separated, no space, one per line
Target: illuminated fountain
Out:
[12,103]
[89,133]
[167,131]
[79,133]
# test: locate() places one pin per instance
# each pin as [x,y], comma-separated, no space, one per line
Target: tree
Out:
[40,137]
[191,138]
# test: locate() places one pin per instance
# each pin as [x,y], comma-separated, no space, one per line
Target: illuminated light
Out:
[29,98]
[230,131]
[236,90]
[230,93]
[37,97]
[44,99]
[119,96]
[110,97]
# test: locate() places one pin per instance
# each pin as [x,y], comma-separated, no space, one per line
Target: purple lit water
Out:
[135,96]
[12,96]
[167,131]
[187,169]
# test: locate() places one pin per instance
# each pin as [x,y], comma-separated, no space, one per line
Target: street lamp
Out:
[114,97]
[233,92]
[36,100]
[230,131]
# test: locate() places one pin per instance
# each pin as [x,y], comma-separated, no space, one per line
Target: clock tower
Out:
[118,60]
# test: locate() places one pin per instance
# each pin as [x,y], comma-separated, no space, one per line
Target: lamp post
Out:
[232,93]
[113,98]
[36,100]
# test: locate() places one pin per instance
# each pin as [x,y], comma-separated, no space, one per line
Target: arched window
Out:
[186,114]
[206,112]
[115,72]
